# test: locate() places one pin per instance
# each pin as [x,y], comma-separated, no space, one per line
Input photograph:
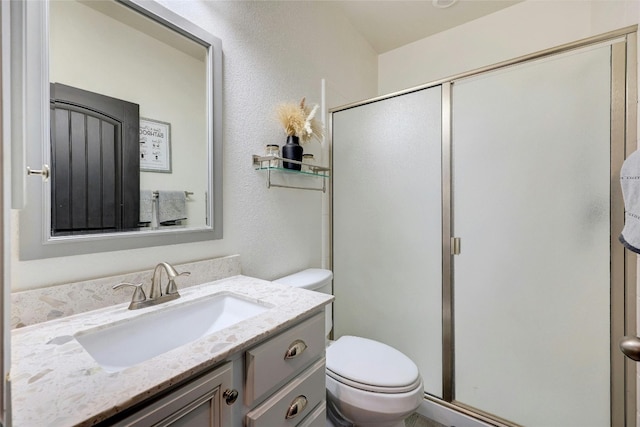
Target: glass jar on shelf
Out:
[272,150]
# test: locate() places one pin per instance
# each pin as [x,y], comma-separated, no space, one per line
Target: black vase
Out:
[292,150]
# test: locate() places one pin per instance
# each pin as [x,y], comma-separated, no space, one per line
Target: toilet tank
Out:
[313,279]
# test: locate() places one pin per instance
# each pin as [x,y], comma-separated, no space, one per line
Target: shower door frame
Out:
[623,277]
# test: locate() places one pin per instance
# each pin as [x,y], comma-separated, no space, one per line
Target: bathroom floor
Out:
[417,420]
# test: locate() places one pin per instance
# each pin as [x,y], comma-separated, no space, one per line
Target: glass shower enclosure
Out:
[474,228]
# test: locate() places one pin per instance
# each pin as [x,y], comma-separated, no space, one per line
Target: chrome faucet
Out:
[156,295]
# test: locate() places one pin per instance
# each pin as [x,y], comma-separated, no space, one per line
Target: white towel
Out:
[630,181]
[146,206]
[172,207]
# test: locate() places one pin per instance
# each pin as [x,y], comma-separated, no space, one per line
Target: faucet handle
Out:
[184,273]
[172,288]
[172,273]
[138,293]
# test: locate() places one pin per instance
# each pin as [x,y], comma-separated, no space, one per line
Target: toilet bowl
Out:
[368,383]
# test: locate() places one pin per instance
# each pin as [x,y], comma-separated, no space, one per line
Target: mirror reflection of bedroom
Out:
[128,122]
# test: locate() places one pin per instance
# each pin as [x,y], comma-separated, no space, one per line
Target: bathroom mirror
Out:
[143,55]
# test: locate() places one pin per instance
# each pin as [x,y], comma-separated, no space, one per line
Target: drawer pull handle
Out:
[230,396]
[295,349]
[296,407]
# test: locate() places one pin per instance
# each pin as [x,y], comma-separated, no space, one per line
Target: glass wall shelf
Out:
[272,164]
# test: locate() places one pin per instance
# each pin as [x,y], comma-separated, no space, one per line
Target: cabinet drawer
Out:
[317,418]
[268,367]
[299,398]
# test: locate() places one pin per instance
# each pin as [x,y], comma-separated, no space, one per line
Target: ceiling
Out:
[388,24]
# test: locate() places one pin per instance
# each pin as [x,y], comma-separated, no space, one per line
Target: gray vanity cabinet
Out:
[280,384]
[199,403]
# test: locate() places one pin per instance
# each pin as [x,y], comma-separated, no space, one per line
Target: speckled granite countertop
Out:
[55,382]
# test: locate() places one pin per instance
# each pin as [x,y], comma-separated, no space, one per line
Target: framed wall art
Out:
[155,146]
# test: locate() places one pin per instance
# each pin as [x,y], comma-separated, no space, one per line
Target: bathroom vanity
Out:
[265,370]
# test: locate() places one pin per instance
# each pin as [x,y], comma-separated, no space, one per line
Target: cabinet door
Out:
[203,412]
[199,403]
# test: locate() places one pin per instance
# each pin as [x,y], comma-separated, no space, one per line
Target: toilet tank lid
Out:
[311,278]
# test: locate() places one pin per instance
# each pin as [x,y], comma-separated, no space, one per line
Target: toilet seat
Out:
[373,388]
[371,366]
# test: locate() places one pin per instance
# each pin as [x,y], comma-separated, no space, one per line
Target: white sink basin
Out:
[129,342]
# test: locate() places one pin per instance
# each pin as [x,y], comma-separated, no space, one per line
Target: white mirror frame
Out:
[30,79]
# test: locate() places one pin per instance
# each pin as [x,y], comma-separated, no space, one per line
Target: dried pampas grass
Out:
[291,118]
[300,120]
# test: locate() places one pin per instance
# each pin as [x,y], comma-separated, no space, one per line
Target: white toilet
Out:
[368,383]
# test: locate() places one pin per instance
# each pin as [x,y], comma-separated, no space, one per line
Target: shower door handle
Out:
[630,346]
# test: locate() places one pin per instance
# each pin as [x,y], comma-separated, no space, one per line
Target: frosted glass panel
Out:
[387,227]
[531,205]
